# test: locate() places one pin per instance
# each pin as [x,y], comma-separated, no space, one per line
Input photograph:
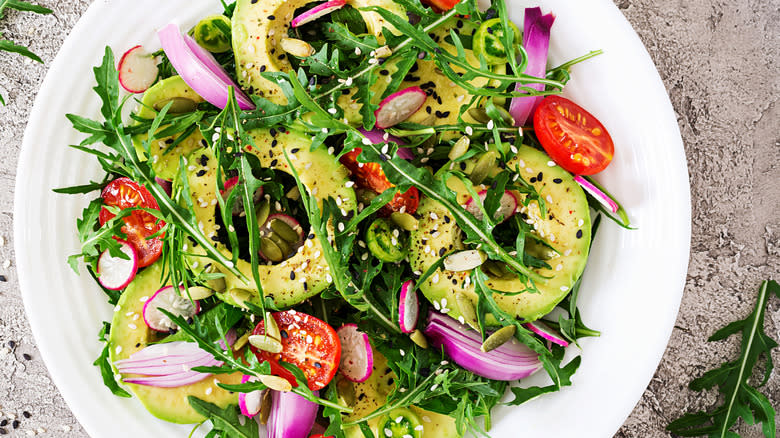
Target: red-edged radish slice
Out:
[546,332]
[600,196]
[116,273]
[249,402]
[317,12]
[507,206]
[408,307]
[399,106]
[379,136]
[165,184]
[137,70]
[171,300]
[357,356]
[238,206]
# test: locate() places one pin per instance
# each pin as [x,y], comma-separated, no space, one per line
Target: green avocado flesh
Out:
[129,334]
[368,396]
[566,228]
[303,275]
[173,89]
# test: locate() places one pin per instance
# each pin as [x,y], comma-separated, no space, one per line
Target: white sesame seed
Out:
[118,349]
[357,51]
[349,184]
[333,110]
[551,163]
[7,264]
[402,352]
[388,432]
[209,390]
[490,124]
[348,82]
[461,320]
[549,199]
[132,326]
[564,288]
[469,131]
[143,299]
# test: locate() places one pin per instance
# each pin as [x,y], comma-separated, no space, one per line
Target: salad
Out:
[351,219]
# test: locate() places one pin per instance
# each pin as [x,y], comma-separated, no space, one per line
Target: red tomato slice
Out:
[441,5]
[126,193]
[371,176]
[572,137]
[308,343]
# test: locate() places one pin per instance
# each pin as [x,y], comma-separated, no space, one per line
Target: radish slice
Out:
[199,69]
[357,357]
[165,184]
[116,273]
[399,106]
[171,300]
[602,197]
[546,332]
[507,206]
[249,402]
[238,206]
[408,307]
[137,70]
[317,12]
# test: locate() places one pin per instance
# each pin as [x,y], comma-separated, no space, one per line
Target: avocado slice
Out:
[368,396]
[566,228]
[258,28]
[184,98]
[303,275]
[129,334]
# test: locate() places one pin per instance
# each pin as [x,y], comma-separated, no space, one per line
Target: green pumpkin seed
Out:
[499,338]
[271,250]
[464,260]
[404,220]
[218,284]
[467,310]
[271,329]
[276,383]
[505,116]
[479,114]
[262,210]
[266,343]
[297,47]
[485,165]
[265,406]
[285,231]
[459,148]
[418,338]
[294,194]
[179,105]
[240,342]
[281,243]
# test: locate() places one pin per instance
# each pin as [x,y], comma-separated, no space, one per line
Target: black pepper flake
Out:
[26,414]
[292,275]
[557,180]
[28,357]
[274,162]
[384,72]
[361,396]
[201,172]
[579,234]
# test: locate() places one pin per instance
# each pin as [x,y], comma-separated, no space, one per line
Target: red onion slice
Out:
[602,197]
[317,12]
[199,69]
[292,416]
[536,41]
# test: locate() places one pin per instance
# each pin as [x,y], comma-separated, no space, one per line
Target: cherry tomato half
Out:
[308,343]
[441,5]
[371,176]
[126,193]
[572,137]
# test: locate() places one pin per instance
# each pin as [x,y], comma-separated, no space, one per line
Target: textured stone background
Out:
[719,61]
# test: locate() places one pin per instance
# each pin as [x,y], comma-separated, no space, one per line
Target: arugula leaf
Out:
[733,379]
[9,46]
[225,419]
[103,363]
[523,395]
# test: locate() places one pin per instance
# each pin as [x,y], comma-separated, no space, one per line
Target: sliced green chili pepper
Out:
[386,242]
[400,423]
[213,34]
[488,41]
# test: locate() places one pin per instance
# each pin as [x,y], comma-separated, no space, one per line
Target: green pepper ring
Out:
[383,244]
[400,422]
[489,43]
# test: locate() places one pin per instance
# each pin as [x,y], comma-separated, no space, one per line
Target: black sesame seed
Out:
[579,234]
[438,99]
[390,381]
[294,150]
[190,320]
[4,422]
[384,72]
[462,165]
[271,17]
[557,180]
[282,56]
[292,275]
[26,414]
[274,162]
[446,219]
[201,172]
[490,30]
[539,177]
[317,365]
[428,109]
[414,68]
[262,68]
[137,345]
[361,396]
[26,356]
[15,424]
[311,236]
[442,251]
[254,1]
[204,160]
[12,344]
[3,431]
[439,114]
[532,180]
[2,278]
[459,24]
[491,13]
[284,334]
[305,286]
[272,131]
[169,141]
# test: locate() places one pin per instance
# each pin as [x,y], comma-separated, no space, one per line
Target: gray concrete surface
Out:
[719,61]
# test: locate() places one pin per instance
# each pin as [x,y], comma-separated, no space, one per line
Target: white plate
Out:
[632,286]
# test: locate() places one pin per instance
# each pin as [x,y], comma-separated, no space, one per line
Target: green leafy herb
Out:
[225,420]
[10,46]
[103,363]
[740,399]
